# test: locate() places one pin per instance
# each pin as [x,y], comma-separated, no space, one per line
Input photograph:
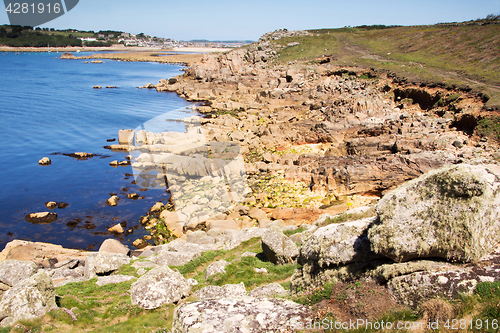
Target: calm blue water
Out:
[48,106]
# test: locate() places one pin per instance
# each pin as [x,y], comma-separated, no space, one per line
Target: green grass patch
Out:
[293,232]
[346,217]
[489,127]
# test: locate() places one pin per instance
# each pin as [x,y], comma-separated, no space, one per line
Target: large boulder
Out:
[27,300]
[158,287]
[239,314]
[278,247]
[14,271]
[451,213]
[339,244]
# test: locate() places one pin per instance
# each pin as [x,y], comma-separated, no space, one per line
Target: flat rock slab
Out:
[227,290]
[170,258]
[102,280]
[14,271]
[416,288]
[238,314]
[37,252]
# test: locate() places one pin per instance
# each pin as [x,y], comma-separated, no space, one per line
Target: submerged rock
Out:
[45,161]
[450,213]
[43,217]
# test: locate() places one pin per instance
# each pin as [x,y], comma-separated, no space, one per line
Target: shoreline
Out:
[113,48]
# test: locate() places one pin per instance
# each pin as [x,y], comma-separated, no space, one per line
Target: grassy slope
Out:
[463,55]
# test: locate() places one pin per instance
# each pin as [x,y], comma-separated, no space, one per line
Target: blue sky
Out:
[225,20]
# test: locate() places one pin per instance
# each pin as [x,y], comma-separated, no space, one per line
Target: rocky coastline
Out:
[346,177]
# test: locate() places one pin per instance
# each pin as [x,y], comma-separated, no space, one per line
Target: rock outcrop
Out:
[238,314]
[451,213]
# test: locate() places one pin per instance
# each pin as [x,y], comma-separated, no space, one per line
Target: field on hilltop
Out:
[452,55]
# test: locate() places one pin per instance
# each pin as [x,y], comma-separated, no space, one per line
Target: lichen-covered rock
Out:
[227,290]
[269,290]
[414,289]
[238,314]
[278,247]
[450,213]
[171,258]
[338,244]
[14,271]
[108,262]
[158,287]
[29,299]
[218,267]
[386,272]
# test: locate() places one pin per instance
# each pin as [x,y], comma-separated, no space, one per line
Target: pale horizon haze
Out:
[245,20]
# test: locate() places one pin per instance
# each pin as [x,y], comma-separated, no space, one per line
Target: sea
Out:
[49,108]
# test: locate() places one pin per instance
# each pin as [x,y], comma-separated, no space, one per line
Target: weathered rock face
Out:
[28,299]
[338,244]
[227,290]
[158,287]
[238,314]
[279,248]
[450,213]
[171,258]
[414,289]
[108,262]
[14,271]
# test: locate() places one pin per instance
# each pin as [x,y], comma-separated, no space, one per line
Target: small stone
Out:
[45,161]
[140,243]
[51,204]
[97,87]
[113,201]
[116,229]
[44,217]
[458,144]
[62,205]
[260,270]
[113,163]
[133,196]
[157,207]
[218,267]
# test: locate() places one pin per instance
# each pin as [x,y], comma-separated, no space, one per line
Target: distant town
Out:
[12,35]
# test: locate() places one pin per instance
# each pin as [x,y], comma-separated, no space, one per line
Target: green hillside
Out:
[466,55]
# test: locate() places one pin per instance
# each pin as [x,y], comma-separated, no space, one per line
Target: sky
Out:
[248,20]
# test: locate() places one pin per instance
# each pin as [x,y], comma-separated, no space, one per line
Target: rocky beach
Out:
[308,191]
